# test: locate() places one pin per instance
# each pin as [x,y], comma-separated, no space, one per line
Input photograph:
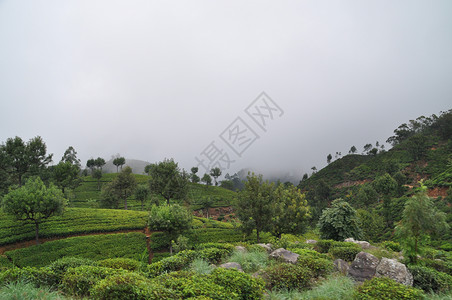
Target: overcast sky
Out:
[155,79]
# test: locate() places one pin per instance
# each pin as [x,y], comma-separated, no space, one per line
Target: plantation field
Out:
[95,247]
[73,221]
[88,194]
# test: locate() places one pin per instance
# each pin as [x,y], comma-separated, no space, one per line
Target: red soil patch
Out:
[351,183]
[438,192]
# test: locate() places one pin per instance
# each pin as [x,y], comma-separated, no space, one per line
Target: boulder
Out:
[341,266]
[267,247]
[363,267]
[395,270]
[311,242]
[232,265]
[285,255]
[363,244]
[350,240]
[240,248]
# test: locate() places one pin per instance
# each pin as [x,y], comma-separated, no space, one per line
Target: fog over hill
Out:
[136,165]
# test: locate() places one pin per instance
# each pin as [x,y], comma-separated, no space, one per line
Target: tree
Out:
[372,225]
[168,180]
[99,163]
[352,150]
[215,173]
[67,173]
[207,179]
[147,169]
[290,211]
[420,219]
[373,151]
[254,205]
[193,176]
[172,219]
[34,203]
[366,196]
[109,197]
[417,146]
[25,158]
[206,203]
[97,174]
[367,148]
[91,164]
[124,184]
[142,193]
[320,197]
[328,158]
[386,187]
[119,161]
[339,222]
[314,169]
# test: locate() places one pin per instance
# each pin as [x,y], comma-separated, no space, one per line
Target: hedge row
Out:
[95,247]
[73,221]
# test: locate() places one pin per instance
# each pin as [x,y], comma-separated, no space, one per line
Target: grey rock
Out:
[240,248]
[341,266]
[395,270]
[363,244]
[266,247]
[363,267]
[311,242]
[350,240]
[232,265]
[285,255]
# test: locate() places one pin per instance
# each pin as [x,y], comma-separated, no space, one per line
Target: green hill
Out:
[87,194]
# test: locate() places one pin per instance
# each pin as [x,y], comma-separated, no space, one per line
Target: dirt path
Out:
[29,243]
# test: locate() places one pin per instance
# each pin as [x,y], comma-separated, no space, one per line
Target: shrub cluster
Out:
[391,246]
[346,253]
[385,288]
[430,280]
[288,276]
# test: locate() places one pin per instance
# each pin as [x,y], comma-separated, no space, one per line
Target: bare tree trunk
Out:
[37,232]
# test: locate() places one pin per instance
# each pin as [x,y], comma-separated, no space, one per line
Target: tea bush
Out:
[288,276]
[385,288]
[430,280]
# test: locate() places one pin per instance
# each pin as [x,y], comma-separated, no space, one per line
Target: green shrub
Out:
[439,265]
[60,266]
[391,246]
[187,284]
[318,266]
[38,277]
[430,280]
[288,276]
[129,286]
[345,253]
[225,246]
[385,288]
[26,291]
[250,261]
[213,255]
[173,263]
[121,263]
[323,246]
[333,288]
[241,284]
[309,253]
[78,281]
[256,248]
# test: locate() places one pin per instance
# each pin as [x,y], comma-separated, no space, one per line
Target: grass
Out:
[95,247]
[73,221]
[87,194]
[250,261]
[333,288]
[26,291]
[201,266]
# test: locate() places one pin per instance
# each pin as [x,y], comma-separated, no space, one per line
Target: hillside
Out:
[88,194]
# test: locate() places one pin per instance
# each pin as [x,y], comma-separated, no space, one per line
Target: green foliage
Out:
[119,161]
[250,261]
[392,246]
[366,196]
[34,203]
[121,263]
[207,179]
[385,185]
[371,224]
[38,277]
[385,288]
[142,193]
[172,219]
[200,266]
[345,253]
[420,218]
[124,185]
[245,286]
[130,286]
[95,247]
[79,281]
[66,175]
[167,180]
[254,205]
[26,291]
[288,276]
[61,265]
[319,266]
[339,221]
[323,246]
[215,173]
[290,211]
[430,280]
